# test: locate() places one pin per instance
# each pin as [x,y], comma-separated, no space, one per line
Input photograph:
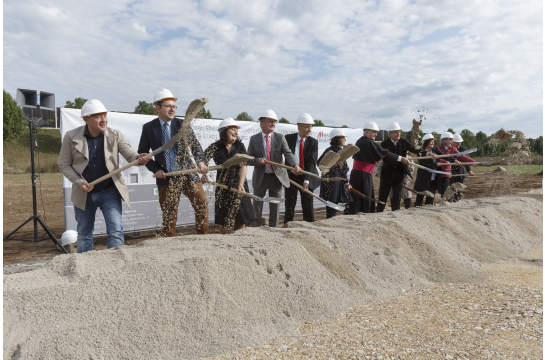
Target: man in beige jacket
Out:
[88,153]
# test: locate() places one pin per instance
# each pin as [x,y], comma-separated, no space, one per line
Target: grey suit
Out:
[261,182]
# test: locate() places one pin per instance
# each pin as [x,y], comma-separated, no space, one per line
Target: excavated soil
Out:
[195,296]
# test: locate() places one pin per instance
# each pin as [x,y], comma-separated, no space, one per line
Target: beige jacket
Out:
[74,158]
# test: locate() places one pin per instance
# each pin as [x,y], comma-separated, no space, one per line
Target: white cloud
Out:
[476,65]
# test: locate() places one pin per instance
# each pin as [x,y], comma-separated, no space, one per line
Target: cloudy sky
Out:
[468,64]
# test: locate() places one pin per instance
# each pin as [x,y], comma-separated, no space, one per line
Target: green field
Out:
[512,169]
[25,177]
[17,151]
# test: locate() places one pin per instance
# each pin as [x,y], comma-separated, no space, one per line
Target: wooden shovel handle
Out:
[408,188]
[307,191]
[279,165]
[189,171]
[131,164]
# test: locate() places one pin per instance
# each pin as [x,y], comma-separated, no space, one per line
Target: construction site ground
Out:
[18,208]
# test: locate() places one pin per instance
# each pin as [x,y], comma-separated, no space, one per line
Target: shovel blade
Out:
[273,200]
[329,159]
[347,151]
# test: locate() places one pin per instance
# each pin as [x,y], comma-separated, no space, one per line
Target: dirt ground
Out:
[18,208]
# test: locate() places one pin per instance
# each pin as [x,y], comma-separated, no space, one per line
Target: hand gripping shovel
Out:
[423,193]
[192,110]
[235,160]
[326,203]
[499,169]
[443,156]
[428,169]
[268,199]
[364,196]
[302,171]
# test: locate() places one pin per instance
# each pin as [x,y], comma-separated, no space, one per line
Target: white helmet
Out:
[91,107]
[336,132]
[426,137]
[225,123]
[446,135]
[305,118]
[457,138]
[268,114]
[69,237]
[161,95]
[371,125]
[394,126]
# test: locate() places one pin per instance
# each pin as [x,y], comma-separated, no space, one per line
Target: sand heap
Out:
[168,299]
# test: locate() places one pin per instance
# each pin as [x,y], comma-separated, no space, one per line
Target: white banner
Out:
[145,212]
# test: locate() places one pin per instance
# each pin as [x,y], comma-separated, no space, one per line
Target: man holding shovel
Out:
[154,134]
[268,145]
[88,153]
[466,169]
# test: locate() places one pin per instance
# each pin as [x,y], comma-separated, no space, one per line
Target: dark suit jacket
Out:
[423,177]
[403,145]
[310,156]
[460,169]
[152,138]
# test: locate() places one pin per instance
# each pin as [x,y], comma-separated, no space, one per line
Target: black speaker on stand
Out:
[29,99]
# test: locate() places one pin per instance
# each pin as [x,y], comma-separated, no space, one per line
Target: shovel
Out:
[326,203]
[192,111]
[332,158]
[502,136]
[268,199]
[443,156]
[364,196]
[302,171]
[347,151]
[497,170]
[482,163]
[428,169]
[235,160]
[423,193]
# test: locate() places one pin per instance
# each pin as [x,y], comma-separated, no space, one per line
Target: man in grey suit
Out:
[268,145]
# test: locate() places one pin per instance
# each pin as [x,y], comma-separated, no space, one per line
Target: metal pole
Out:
[34,176]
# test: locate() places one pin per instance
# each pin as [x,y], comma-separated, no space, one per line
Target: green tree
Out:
[77,104]
[14,123]
[145,108]
[451,131]
[204,114]
[470,141]
[344,127]
[483,145]
[538,147]
[318,122]
[437,137]
[243,116]
[283,120]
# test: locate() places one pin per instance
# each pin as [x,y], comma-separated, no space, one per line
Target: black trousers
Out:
[429,200]
[390,181]
[444,184]
[307,201]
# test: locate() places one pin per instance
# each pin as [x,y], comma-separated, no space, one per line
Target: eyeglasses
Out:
[172,107]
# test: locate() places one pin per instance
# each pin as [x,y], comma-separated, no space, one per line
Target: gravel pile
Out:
[204,295]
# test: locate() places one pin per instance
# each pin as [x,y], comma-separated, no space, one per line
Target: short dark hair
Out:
[336,141]
[223,137]
[427,142]
[158,103]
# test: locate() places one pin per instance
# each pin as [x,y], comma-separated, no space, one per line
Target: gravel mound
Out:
[196,296]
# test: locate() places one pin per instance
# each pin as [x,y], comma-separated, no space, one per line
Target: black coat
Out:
[403,145]
[152,139]
[227,203]
[423,177]
[310,156]
[335,191]
[460,169]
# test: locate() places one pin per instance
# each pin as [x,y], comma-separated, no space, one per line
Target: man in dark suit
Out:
[270,146]
[392,174]
[457,143]
[154,134]
[305,150]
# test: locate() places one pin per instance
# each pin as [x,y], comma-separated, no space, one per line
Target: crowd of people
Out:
[90,152]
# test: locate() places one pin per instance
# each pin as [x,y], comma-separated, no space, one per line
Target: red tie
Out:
[268,143]
[301,158]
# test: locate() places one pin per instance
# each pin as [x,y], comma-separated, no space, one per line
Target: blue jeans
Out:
[109,202]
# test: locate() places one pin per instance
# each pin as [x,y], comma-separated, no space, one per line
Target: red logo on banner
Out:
[321,134]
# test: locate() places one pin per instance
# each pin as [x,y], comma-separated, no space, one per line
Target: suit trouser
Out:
[389,182]
[274,186]
[169,199]
[307,201]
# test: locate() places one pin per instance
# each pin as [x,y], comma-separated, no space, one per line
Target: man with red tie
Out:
[305,150]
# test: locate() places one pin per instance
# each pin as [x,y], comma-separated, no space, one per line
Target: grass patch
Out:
[512,169]
[17,152]
[25,177]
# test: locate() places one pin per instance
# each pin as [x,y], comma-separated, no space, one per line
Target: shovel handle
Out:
[467,163]
[307,191]
[189,171]
[408,188]
[279,165]
[123,168]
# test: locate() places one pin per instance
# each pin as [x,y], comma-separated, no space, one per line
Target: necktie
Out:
[268,143]
[301,157]
[168,152]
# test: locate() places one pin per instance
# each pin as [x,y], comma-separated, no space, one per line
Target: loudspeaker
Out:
[27,98]
[47,101]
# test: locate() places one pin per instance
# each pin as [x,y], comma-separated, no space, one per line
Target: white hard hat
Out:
[336,132]
[394,126]
[305,118]
[91,107]
[371,125]
[426,137]
[446,135]
[268,114]
[69,237]
[225,123]
[457,138]
[161,95]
